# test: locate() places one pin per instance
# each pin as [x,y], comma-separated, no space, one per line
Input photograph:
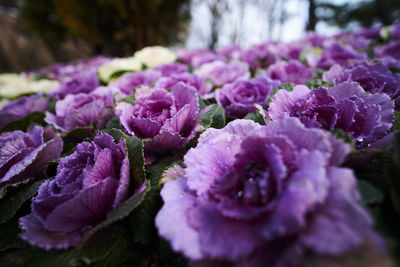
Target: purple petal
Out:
[172,222]
[89,206]
[165,142]
[36,235]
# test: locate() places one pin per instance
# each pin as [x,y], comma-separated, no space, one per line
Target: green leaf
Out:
[12,187]
[24,123]
[202,103]
[104,247]
[396,122]
[59,258]
[142,219]
[314,83]
[75,136]
[16,257]
[11,203]
[316,51]
[129,99]
[135,152]
[394,70]
[255,116]
[9,236]
[340,134]
[284,86]
[121,212]
[396,148]
[114,123]
[116,75]
[78,133]
[370,194]
[214,117]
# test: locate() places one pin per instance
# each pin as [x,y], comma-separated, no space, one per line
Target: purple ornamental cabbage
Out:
[238,98]
[24,155]
[359,39]
[392,49]
[354,40]
[190,79]
[336,53]
[259,56]
[395,31]
[272,195]
[84,82]
[81,110]
[168,120]
[372,76]
[23,106]
[369,33]
[313,39]
[289,72]
[390,62]
[221,73]
[130,80]
[365,117]
[230,52]
[89,184]
[196,58]
[291,51]
[62,72]
[171,68]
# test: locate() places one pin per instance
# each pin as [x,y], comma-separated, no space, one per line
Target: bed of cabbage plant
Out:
[281,154]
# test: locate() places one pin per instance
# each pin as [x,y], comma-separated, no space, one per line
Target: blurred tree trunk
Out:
[217,9]
[312,18]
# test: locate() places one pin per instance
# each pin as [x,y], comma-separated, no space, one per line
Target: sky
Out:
[253,28]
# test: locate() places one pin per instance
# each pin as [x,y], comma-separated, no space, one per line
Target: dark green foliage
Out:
[135,153]
[24,123]
[112,27]
[12,201]
[255,116]
[366,13]
[214,117]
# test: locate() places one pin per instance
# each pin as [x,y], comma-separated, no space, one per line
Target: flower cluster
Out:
[366,118]
[267,156]
[374,77]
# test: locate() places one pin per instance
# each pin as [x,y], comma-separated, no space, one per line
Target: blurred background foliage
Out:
[34,34]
